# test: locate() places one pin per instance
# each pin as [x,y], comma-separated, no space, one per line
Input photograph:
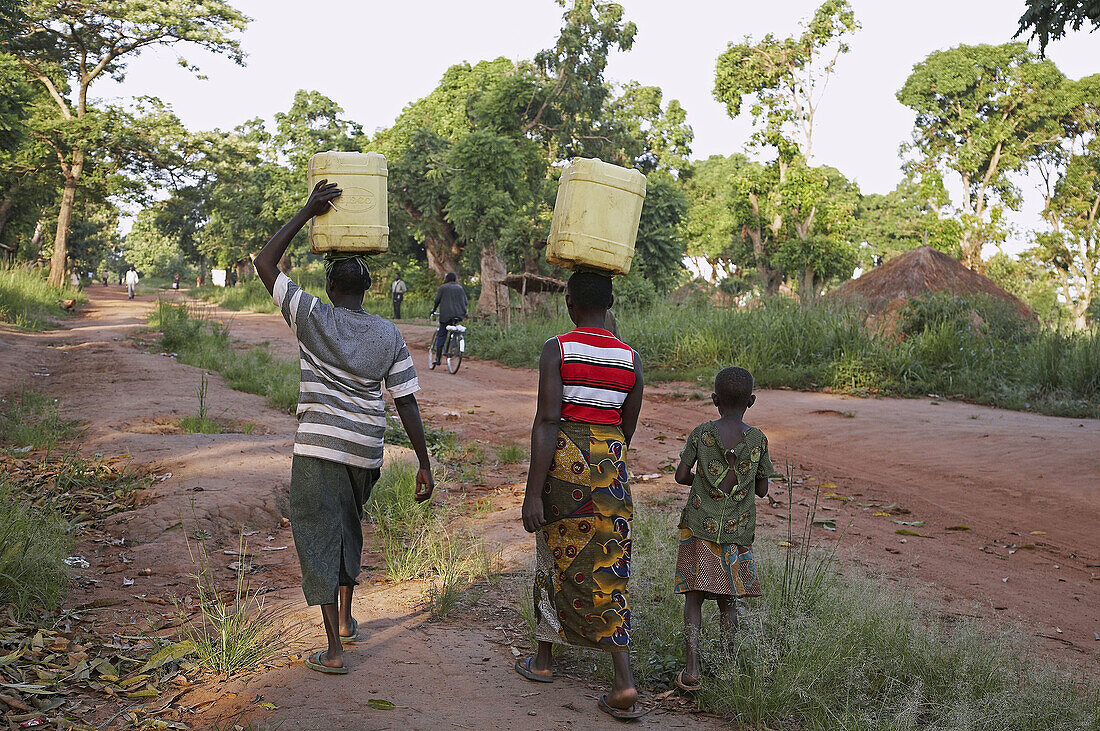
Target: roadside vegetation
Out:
[974,349]
[204,343]
[28,302]
[835,647]
[31,419]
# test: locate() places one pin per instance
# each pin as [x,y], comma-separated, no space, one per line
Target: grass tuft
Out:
[511,453]
[236,631]
[29,418]
[33,545]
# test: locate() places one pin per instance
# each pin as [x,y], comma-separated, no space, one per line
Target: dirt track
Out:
[1013,478]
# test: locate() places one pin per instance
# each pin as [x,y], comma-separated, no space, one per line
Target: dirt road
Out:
[1026,487]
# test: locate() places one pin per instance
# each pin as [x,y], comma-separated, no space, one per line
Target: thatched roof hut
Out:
[915,273]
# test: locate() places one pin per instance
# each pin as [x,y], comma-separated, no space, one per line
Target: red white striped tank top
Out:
[597,372]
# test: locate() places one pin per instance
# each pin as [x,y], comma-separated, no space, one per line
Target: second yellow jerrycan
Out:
[358,220]
[596,216]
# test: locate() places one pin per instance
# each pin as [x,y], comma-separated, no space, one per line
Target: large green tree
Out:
[67,46]
[905,218]
[787,205]
[983,113]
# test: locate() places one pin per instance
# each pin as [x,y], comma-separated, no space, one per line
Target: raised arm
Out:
[544,434]
[267,261]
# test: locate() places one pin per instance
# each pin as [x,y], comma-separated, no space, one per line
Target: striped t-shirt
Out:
[345,357]
[597,372]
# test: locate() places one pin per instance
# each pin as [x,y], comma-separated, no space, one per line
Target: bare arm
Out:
[544,434]
[409,411]
[267,261]
[761,486]
[632,406]
[684,475]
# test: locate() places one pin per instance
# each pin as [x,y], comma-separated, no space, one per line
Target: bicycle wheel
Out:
[431,354]
[455,346]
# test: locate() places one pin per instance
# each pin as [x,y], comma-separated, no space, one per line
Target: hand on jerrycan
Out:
[320,199]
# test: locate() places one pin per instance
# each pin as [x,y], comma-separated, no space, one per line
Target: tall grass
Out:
[27,301]
[236,631]
[995,358]
[205,343]
[840,650]
[419,541]
[33,547]
[29,418]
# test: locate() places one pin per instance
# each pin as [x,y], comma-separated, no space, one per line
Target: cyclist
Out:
[450,303]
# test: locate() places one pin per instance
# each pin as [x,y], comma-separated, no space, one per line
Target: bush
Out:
[33,547]
[30,418]
[27,301]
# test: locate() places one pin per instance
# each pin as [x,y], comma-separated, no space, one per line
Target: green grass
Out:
[996,359]
[202,342]
[511,453]
[33,545]
[236,631]
[419,541]
[829,649]
[29,418]
[27,301]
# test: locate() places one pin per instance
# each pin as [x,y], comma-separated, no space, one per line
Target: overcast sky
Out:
[373,58]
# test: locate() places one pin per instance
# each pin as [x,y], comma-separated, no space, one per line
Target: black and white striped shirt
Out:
[345,358]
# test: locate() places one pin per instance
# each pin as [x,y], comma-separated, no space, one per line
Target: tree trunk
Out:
[5,208]
[807,290]
[494,295]
[202,271]
[284,263]
[64,219]
[36,238]
[442,256]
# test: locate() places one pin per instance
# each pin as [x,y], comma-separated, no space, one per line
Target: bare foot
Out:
[324,659]
[622,699]
[349,628]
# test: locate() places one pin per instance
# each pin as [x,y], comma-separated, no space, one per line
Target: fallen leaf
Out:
[168,654]
[957,527]
[1038,532]
[268,706]
[881,513]
[907,532]
[380,704]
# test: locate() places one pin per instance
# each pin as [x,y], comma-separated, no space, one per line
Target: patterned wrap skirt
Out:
[716,568]
[326,513]
[582,559]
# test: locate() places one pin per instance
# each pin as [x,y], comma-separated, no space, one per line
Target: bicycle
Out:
[454,347]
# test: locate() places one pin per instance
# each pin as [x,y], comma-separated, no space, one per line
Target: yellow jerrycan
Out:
[596,216]
[358,220]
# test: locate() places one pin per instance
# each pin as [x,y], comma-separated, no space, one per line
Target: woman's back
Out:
[597,373]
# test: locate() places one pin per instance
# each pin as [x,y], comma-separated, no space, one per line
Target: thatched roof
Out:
[918,272]
[527,282]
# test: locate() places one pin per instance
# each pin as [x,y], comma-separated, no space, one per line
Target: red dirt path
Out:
[1006,475]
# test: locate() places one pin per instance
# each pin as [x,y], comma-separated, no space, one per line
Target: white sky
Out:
[373,58]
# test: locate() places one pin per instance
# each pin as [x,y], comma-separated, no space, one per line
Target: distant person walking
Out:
[398,290]
[175,281]
[131,282]
[74,279]
[450,303]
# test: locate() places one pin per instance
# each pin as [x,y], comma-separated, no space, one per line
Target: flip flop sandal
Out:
[523,667]
[684,685]
[344,639]
[622,714]
[313,662]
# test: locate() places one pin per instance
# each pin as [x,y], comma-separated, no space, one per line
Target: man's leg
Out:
[334,656]
[346,626]
[440,338]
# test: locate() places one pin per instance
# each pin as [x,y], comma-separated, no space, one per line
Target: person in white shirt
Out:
[131,281]
[398,289]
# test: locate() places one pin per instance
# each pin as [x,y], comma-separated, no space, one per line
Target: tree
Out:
[150,248]
[66,46]
[660,247]
[1070,250]
[1048,19]
[787,78]
[983,113]
[903,219]
[711,228]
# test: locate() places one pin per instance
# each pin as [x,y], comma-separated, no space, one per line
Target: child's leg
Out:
[727,618]
[693,622]
[345,609]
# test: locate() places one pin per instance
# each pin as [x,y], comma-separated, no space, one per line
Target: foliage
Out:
[27,301]
[1049,19]
[235,634]
[33,547]
[659,249]
[786,345]
[205,343]
[28,417]
[150,250]
[983,113]
[903,219]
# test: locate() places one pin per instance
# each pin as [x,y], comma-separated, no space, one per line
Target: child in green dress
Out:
[718,524]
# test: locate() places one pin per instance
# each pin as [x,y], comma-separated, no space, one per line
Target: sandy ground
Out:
[1014,479]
